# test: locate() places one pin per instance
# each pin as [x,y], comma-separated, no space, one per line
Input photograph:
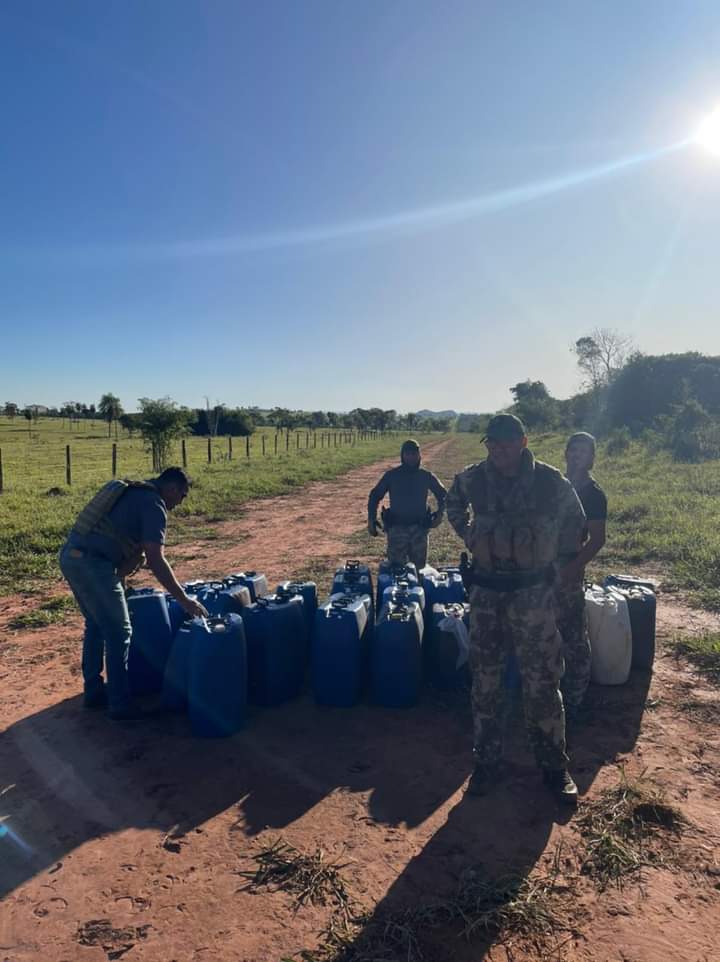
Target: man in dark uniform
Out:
[123,524]
[519,518]
[408,519]
[570,594]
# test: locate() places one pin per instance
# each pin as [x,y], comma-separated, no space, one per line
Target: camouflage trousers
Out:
[407,542]
[524,622]
[572,625]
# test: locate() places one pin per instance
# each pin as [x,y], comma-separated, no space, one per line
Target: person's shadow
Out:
[69,776]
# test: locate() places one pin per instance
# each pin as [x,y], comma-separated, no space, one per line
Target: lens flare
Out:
[708,133]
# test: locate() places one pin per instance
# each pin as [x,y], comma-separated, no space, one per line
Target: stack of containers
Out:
[389,574]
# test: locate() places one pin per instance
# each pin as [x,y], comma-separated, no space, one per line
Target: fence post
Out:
[114,459]
[287,440]
[297,440]
[184,453]
[247,445]
[209,450]
[229,447]
[276,442]
[263,445]
[307,440]
[314,439]
[68,465]
[1,472]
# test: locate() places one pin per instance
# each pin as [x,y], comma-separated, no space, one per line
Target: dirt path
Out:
[126,843]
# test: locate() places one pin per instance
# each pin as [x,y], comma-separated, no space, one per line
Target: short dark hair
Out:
[175,476]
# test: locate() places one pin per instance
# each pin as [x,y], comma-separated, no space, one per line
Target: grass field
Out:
[664,516]
[33,522]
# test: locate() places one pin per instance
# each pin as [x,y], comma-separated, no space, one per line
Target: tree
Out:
[601,354]
[533,404]
[237,421]
[318,419]
[11,410]
[129,422]
[283,418]
[160,422]
[110,410]
[30,414]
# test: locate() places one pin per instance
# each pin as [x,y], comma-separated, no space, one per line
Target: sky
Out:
[324,205]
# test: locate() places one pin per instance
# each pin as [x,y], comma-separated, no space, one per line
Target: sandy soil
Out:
[126,842]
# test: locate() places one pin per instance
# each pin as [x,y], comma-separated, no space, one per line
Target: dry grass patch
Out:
[627,828]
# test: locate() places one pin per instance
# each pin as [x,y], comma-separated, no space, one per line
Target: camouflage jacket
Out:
[525,523]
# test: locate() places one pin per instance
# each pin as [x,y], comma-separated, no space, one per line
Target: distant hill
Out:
[436,414]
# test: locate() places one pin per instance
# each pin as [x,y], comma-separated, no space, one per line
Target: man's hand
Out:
[193,608]
[373,527]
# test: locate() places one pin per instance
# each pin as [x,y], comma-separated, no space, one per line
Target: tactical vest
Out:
[519,539]
[94,516]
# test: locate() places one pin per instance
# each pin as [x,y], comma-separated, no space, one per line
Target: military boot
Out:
[483,779]
[561,784]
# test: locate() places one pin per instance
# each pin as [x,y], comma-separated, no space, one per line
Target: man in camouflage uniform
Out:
[518,517]
[570,593]
[408,519]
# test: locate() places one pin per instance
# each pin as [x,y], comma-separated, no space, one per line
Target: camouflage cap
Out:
[505,427]
[581,437]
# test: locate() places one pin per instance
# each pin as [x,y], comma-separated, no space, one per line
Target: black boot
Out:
[561,784]
[483,779]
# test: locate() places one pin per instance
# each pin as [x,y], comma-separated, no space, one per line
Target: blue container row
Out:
[255,646]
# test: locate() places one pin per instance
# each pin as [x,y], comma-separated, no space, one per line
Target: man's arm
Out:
[571,518]
[376,496]
[440,492]
[159,566]
[458,508]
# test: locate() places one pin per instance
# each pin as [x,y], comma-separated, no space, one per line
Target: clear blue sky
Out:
[323,203]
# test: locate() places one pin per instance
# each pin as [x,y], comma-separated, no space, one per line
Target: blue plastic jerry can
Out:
[150,641]
[397,655]
[217,676]
[339,654]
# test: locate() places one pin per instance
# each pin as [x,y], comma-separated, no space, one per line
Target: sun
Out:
[708,133]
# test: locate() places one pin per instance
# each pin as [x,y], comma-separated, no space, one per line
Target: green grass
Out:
[663,516]
[702,651]
[506,909]
[626,828]
[50,612]
[34,523]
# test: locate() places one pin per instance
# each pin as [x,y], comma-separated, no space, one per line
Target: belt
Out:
[77,553]
[513,580]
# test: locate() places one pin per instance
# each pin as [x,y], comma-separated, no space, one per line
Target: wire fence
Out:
[38,463]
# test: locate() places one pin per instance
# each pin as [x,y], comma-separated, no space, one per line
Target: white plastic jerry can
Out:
[610,635]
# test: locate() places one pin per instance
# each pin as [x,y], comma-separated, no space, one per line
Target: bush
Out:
[618,442]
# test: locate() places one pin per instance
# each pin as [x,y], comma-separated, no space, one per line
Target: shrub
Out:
[618,442]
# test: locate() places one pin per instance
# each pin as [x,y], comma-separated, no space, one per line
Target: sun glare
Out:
[708,133]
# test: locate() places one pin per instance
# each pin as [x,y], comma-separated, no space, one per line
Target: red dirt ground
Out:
[147,828]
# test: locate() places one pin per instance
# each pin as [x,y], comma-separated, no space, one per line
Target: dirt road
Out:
[121,842]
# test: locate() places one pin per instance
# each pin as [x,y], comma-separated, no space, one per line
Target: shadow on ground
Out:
[70,776]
